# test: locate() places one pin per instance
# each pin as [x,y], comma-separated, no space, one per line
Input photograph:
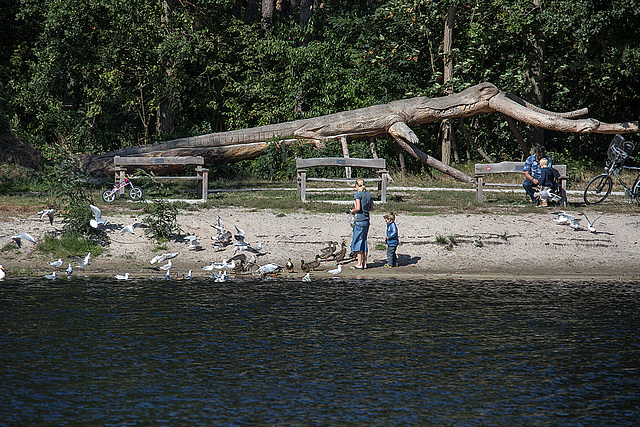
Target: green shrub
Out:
[161,220]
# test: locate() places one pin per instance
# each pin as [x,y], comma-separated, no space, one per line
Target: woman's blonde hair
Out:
[360,183]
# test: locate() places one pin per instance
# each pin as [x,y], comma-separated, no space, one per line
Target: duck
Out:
[289,266]
[328,251]
[315,263]
[304,267]
[339,256]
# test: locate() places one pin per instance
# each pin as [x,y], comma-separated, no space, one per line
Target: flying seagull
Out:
[47,213]
[590,226]
[83,262]
[131,228]
[164,257]
[97,221]
[18,238]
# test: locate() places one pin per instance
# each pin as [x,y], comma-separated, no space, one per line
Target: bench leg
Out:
[479,183]
[203,191]
[302,184]
[119,179]
[563,192]
[383,187]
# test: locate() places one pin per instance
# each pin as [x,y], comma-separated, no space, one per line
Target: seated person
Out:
[532,171]
[547,181]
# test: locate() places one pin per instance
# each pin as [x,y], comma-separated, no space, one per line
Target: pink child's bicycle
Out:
[135,193]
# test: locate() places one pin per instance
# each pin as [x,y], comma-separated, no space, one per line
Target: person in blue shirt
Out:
[392,240]
[363,204]
[532,171]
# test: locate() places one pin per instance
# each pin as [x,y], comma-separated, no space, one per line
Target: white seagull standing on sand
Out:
[97,221]
[56,264]
[337,270]
[47,213]
[121,277]
[18,238]
[194,242]
[69,270]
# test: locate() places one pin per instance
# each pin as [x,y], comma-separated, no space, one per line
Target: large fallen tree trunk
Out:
[395,119]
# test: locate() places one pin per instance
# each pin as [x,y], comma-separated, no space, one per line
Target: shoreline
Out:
[481,246]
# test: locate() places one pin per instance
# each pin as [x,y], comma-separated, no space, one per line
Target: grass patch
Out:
[68,244]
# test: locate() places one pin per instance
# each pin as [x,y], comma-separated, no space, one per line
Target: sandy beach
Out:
[485,245]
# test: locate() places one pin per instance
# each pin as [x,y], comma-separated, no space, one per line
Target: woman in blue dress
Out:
[363,204]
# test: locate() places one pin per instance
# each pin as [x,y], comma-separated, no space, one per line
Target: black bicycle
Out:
[600,187]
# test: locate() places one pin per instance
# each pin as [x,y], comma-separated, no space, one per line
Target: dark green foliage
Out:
[101,75]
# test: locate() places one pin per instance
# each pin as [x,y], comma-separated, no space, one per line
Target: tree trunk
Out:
[445,127]
[535,74]
[267,15]
[164,117]
[306,8]
[471,142]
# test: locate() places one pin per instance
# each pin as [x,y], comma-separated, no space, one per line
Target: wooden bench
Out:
[202,174]
[303,164]
[484,169]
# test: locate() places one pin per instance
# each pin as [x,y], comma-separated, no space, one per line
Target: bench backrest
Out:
[509,167]
[340,161]
[151,161]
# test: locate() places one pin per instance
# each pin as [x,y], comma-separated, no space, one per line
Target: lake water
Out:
[336,352]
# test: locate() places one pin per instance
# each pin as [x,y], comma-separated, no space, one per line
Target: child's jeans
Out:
[392,259]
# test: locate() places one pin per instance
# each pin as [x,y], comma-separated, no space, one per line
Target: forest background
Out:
[95,76]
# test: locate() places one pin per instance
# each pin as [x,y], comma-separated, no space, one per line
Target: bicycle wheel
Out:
[109,195]
[636,191]
[598,189]
[135,193]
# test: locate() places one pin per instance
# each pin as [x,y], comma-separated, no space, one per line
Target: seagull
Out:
[69,270]
[97,221]
[269,269]
[590,226]
[121,277]
[209,267]
[167,266]
[130,228]
[47,212]
[224,265]
[562,218]
[18,238]
[51,276]
[56,264]
[220,277]
[82,263]
[336,270]
[188,276]
[164,257]
[574,223]
[219,226]
[239,234]
[548,194]
[194,242]
[222,239]
[2,273]
[306,277]
[167,275]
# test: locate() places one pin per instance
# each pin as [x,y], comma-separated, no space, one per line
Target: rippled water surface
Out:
[102,352]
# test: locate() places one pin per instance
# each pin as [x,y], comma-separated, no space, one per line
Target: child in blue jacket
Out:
[392,239]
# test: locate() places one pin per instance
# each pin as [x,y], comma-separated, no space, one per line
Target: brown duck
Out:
[339,256]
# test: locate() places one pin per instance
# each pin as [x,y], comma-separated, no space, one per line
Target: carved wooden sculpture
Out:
[395,119]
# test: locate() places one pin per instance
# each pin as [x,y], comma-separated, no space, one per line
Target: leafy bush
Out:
[161,220]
